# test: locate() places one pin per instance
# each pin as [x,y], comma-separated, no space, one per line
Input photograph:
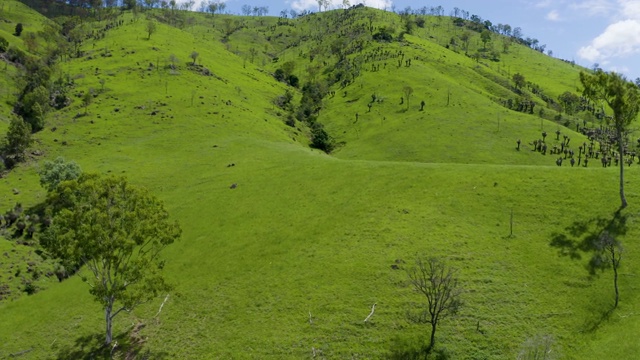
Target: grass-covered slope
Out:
[289,262]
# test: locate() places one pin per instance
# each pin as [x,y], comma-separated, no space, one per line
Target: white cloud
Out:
[300,5]
[630,9]
[543,4]
[594,7]
[553,15]
[619,39]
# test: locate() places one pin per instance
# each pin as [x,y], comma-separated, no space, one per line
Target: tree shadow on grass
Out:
[416,349]
[128,345]
[580,238]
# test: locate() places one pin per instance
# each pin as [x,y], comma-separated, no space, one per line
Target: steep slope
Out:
[288,263]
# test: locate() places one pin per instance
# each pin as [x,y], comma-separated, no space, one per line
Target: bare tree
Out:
[537,348]
[439,285]
[407,90]
[608,252]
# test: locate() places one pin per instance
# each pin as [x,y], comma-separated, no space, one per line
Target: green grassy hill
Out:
[289,263]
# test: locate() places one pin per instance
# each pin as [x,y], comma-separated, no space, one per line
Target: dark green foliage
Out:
[320,138]
[293,81]
[30,288]
[19,29]
[4,44]
[279,75]
[518,80]
[34,107]
[16,142]
[569,102]
[383,34]
[16,55]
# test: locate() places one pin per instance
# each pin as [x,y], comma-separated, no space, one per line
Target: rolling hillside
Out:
[288,263]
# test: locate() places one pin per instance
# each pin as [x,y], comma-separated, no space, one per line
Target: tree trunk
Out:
[107,316]
[623,199]
[432,342]
[615,281]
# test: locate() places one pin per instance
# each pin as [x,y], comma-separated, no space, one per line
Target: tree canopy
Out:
[622,97]
[116,231]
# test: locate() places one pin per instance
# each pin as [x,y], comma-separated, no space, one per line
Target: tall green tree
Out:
[485,36]
[622,97]
[17,140]
[116,231]
[151,28]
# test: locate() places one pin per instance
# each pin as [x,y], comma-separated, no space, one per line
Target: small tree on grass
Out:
[439,285]
[54,172]
[87,98]
[485,36]
[194,55]
[116,231]
[407,90]
[608,253]
[16,142]
[18,29]
[151,28]
[518,80]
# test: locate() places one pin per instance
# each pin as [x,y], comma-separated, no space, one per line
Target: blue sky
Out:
[606,32]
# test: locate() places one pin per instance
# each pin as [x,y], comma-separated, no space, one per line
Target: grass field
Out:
[289,263]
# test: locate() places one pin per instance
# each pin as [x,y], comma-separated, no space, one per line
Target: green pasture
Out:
[289,262]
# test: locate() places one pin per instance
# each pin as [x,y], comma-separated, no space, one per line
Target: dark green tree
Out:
[518,80]
[4,44]
[18,29]
[17,140]
[569,102]
[116,231]
[623,98]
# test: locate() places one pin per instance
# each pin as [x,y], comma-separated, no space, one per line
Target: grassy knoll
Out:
[289,262]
